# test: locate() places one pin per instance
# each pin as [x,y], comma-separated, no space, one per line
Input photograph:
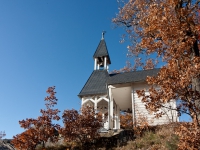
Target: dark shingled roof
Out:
[99,79]
[129,77]
[96,83]
[102,50]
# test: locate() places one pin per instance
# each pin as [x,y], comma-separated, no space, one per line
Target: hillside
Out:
[154,138]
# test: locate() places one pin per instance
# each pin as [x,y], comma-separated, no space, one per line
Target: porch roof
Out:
[129,77]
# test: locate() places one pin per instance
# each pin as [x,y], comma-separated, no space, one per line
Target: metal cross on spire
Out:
[103,33]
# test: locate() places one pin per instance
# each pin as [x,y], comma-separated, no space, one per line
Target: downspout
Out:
[108,107]
[133,107]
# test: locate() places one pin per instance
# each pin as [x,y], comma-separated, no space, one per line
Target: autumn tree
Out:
[141,121]
[40,130]
[167,31]
[126,120]
[81,127]
[26,140]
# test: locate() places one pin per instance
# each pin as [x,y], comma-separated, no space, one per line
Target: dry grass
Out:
[156,138]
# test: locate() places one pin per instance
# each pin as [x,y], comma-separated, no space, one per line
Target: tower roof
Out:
[102,50]
[96,83]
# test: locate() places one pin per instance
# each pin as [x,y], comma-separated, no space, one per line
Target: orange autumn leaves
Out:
[81,127]
[167,31]
[42,129]
[78,127]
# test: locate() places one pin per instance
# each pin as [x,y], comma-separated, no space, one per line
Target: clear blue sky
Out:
[50,42]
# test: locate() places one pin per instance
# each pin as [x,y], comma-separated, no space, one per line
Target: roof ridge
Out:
[135,71]
[133,76]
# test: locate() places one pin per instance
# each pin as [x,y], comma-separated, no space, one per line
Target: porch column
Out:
[110,112]
[82,99]
[95,105]
[105,60]
[103,116]
[95,63]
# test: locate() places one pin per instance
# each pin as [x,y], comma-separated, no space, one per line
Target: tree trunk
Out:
[196,82]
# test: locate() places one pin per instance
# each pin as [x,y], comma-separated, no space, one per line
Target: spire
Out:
[101,56]
[103,33]
[102,48]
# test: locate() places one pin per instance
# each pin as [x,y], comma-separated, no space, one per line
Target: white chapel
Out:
[116,92]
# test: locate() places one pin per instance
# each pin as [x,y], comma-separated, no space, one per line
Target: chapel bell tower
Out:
[101,56]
